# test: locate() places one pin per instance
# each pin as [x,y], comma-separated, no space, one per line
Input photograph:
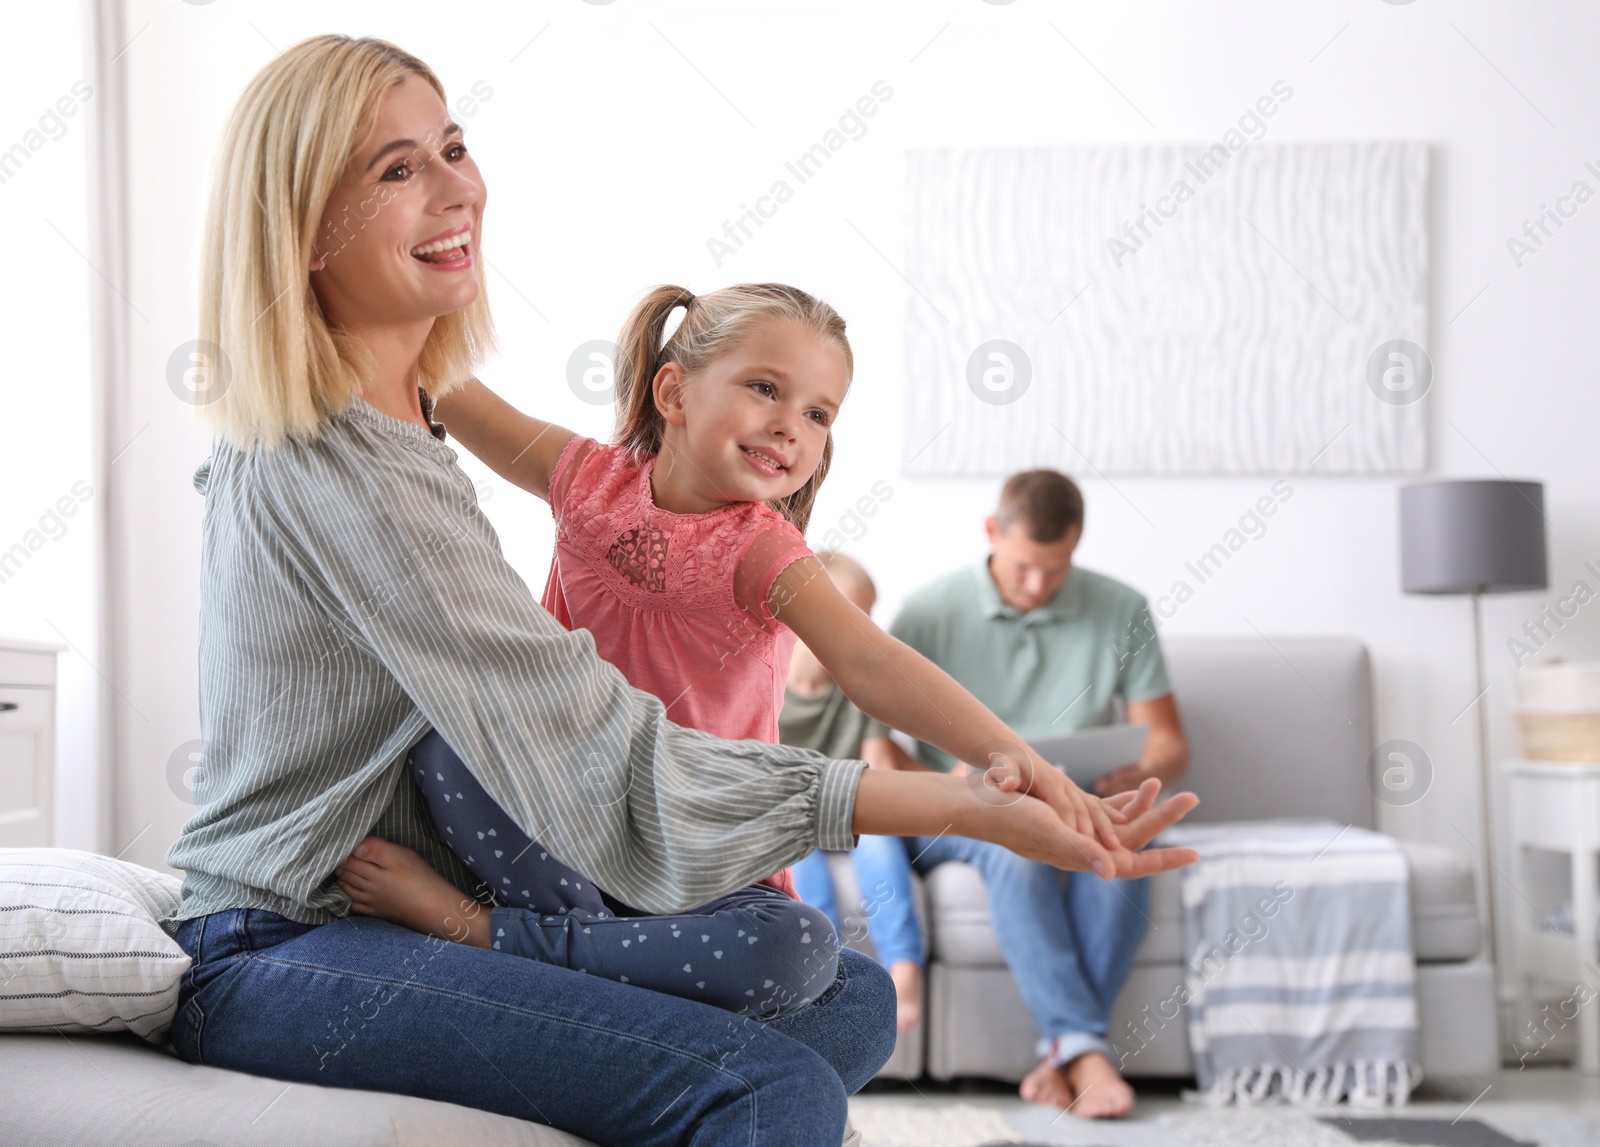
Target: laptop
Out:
[1089,754]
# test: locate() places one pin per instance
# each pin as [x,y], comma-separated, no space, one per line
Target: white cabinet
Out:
[1555,826]
[27,742]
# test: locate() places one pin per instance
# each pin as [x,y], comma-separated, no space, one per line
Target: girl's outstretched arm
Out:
[521,449]
[892,682]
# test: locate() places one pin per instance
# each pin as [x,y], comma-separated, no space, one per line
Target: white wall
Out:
[47,591]
[621,138]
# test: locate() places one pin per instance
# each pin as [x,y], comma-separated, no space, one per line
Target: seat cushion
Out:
[1444,903]
[1444,912]
[962,934]
[60,1091]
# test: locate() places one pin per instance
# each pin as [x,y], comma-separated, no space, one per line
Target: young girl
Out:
[680,550]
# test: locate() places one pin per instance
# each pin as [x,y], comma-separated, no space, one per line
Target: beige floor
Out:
[1520,1103]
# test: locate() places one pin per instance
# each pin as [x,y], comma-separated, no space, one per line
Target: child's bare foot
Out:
[392,882]
[1088,1086]
[907,977]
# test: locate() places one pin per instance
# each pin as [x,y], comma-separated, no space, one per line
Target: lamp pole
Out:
[1486,780]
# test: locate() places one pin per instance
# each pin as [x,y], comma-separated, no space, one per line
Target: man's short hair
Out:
[1045,503]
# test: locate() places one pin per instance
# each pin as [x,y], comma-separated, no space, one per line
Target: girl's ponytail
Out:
[639,356]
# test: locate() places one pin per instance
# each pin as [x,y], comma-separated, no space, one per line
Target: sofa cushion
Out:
[63,1091]
[1444,912]
[83,950]
[1246,699]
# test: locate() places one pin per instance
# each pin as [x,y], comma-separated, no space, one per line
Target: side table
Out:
[1555,807]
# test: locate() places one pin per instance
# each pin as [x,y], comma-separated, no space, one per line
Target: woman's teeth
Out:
[442,247]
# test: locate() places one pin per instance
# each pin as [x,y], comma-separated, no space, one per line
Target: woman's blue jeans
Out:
[367,1004]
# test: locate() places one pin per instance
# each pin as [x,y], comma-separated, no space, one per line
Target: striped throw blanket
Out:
[1300,977]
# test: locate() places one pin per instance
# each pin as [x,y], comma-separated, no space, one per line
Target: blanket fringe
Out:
[1361,1083]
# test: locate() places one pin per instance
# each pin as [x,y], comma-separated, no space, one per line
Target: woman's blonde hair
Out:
[286,146]
[712,325]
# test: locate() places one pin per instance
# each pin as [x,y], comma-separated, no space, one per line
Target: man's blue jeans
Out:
[367,1004]
[883,872]
[1069,948]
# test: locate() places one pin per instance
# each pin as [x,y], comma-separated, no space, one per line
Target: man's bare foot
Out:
[1088,1086]
[392,882]
[1047,1085]
[907,977]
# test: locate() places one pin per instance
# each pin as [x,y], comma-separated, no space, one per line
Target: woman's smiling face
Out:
[398,241]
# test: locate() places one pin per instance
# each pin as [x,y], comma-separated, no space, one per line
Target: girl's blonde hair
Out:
[712,325]
[284,150]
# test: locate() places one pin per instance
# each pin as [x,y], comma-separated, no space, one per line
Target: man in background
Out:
[1052,648]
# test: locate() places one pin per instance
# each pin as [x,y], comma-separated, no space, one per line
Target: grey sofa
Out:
[1276,729]
[1280,729]
[118,1091]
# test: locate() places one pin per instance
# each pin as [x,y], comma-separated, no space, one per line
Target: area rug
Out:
[913,1121]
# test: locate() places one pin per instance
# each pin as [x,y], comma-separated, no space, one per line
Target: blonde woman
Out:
[352,599]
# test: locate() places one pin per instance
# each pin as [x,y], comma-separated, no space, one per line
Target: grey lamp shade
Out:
[1472,536]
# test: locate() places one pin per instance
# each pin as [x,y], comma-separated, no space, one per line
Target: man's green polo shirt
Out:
[1046,672]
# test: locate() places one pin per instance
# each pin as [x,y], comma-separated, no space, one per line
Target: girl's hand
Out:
[1033,829]
[1136,801]
[1016,769]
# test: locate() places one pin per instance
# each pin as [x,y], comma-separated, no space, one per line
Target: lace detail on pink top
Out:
[640,555]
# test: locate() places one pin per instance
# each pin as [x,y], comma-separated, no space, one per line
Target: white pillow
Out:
[80,946]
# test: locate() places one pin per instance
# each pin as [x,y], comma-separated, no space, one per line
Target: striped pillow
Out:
[80,946]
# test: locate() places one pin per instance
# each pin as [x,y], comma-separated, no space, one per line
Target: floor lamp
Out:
[1475,537]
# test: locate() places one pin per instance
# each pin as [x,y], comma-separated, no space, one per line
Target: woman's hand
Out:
[1032,828]
[1018,769]
[928,804]
[892,682]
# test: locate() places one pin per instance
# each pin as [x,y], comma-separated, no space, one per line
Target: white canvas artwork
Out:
[1168,310]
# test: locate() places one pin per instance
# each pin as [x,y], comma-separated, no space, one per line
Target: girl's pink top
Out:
[677,602]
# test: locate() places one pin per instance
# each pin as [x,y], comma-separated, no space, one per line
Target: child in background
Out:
[817,715]
[680,550]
